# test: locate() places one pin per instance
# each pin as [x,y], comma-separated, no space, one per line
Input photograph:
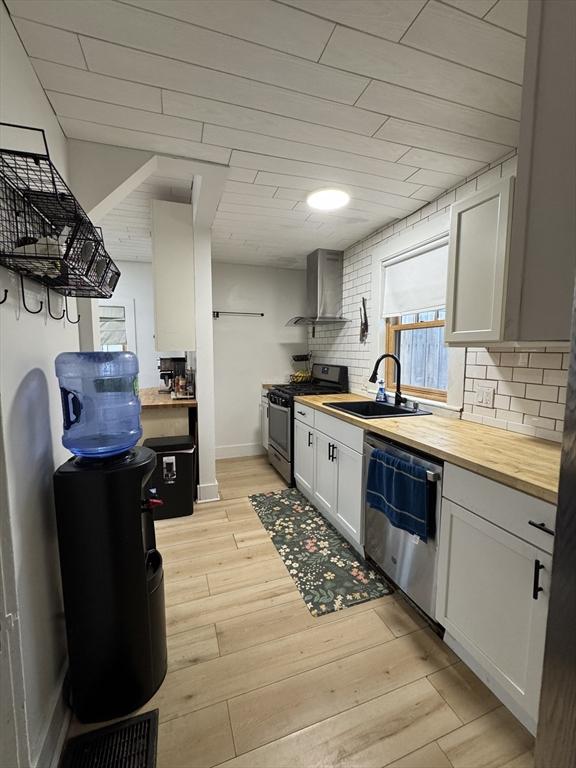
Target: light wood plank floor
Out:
[255,680]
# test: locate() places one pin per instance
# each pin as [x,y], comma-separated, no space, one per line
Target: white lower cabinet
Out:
[349,492]
[329,472]
[493,590]
[325,488]
[304,457]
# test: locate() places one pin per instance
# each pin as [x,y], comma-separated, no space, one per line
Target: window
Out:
[113,334]
[418,340]
[413,298]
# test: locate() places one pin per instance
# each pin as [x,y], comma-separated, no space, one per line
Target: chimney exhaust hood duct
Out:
[323,289]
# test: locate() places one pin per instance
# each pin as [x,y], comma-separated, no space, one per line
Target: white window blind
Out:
[415,282]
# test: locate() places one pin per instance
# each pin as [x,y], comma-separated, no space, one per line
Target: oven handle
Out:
[280,407]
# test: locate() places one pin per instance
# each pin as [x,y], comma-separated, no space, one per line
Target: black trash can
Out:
[174,477]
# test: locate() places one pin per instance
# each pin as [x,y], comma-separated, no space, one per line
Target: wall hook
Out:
[5,296]
[72,322]
[31,311]
[54,317]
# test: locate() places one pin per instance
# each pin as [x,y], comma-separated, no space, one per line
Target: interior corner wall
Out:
[250,351]
[30,434]
[136,285]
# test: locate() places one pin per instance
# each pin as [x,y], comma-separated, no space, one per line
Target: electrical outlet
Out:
[485,397]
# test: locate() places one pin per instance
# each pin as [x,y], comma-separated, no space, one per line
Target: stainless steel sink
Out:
[369,409]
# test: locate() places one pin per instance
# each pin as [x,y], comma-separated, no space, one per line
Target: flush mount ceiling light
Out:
[328,199]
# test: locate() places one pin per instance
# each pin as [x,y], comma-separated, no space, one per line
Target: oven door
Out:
[279,429]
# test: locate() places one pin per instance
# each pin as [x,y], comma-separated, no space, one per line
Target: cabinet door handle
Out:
[333,457]
[310,436]
[329,451]
[301,413]
[536,588]
[541,527]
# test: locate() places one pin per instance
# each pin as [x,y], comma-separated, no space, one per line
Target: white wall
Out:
[136,287]
[30,436]
[250,351]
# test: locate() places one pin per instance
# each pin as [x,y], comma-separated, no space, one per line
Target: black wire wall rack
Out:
[45,234]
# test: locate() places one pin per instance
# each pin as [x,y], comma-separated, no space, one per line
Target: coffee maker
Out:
[177,373]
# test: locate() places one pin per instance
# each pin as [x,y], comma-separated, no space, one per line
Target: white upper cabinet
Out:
[512,261]
[173,263]
[478,265]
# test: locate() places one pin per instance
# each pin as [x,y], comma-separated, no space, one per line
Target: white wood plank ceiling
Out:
[392,100]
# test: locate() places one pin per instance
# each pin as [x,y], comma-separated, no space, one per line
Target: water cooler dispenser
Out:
[112,575]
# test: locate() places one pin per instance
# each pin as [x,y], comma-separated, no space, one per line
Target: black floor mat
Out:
[127,744]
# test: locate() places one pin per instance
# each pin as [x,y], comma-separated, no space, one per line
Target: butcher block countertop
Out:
[151,398]
[526,463]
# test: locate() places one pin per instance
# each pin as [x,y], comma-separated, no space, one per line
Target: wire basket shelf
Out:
[44,232]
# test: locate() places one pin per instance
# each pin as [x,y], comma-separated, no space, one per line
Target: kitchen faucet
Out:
[398,399]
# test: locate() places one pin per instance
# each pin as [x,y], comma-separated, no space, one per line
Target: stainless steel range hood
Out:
[323,289]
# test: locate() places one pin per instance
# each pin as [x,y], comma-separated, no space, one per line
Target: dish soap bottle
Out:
[381,396]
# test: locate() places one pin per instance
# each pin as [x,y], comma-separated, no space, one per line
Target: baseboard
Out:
[56,730]
[208,492]
[239,450]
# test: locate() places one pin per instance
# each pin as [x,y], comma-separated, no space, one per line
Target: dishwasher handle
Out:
[373,442]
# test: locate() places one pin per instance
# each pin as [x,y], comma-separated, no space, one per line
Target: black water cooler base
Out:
[113,585]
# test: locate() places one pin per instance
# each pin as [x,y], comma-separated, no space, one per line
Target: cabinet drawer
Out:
[304,413]
[339,430]
[512,510]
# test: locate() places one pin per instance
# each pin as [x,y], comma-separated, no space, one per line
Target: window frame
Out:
[393,327]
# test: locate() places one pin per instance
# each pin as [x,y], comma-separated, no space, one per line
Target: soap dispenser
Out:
[381,396]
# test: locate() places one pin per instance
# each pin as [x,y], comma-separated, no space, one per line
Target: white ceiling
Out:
[393,100]
[127,228]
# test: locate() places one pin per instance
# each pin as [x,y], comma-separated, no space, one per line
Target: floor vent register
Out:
[127,744]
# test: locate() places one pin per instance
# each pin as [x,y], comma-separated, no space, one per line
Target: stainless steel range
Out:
[326,380]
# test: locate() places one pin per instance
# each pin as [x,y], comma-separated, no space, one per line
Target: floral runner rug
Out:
[329,573]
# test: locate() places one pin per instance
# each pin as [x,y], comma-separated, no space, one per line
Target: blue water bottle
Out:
[100,402]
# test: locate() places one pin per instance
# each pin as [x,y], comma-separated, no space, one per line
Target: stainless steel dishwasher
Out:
[405,558]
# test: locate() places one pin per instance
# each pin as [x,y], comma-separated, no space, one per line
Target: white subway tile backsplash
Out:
[522,429]
[487,358]
[541,392]
[545,360]
[514,388]
[539,422]
[502,401]
[498,372]
[515,359]
[529,382]
[548,434]
[481,411]
[509,415]
[528,375]
[472,417]
[557,378]
[552,410]
[524,406]
[492,422]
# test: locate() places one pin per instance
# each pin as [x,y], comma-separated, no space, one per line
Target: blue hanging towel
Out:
[400,490]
